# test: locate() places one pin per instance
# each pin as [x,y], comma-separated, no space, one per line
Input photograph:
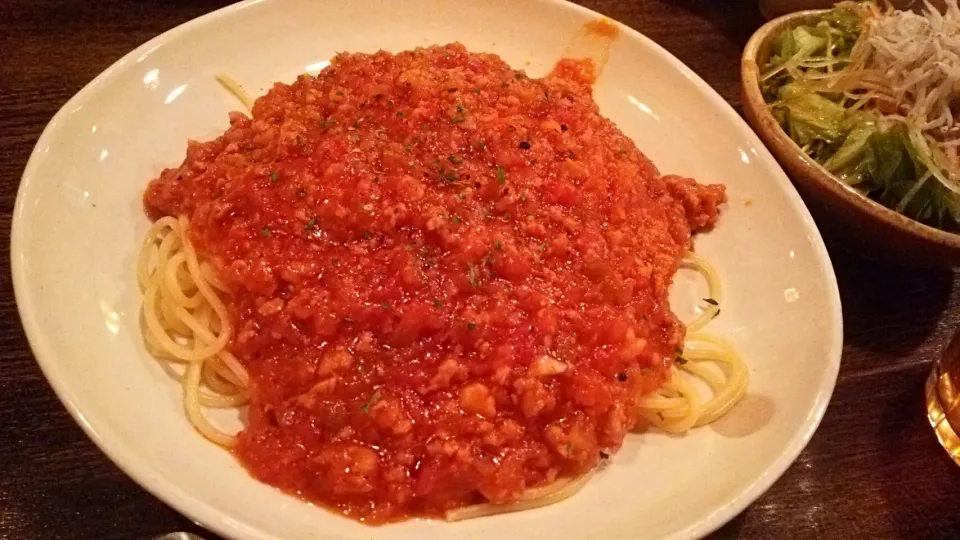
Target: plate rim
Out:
[201,512]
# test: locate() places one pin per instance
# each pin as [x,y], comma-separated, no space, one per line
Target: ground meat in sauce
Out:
[449,280]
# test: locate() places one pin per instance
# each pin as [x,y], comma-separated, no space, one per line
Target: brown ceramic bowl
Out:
[838,209]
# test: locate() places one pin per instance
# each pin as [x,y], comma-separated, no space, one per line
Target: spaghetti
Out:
[185,322]
[440,301]
[676,406]
[184,319]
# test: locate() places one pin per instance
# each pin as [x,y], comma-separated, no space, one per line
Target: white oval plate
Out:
[78,223]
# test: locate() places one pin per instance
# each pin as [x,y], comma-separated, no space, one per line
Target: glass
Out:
[943,398]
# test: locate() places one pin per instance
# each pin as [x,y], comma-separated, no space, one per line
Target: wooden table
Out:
[873,469]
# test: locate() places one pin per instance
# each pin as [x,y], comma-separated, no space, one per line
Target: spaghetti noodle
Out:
[676,407]
[234,88]
[185,322]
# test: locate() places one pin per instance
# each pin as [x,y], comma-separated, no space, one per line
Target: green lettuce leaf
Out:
[848,163]
[809,116]
[846,18]
[893,166]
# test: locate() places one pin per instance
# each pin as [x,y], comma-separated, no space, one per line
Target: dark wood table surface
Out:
[873,469]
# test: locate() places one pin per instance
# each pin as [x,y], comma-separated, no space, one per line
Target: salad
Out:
[873,95]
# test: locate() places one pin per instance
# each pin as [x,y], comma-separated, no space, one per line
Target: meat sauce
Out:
[448,280]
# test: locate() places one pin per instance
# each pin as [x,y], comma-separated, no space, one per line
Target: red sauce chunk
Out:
[448,280]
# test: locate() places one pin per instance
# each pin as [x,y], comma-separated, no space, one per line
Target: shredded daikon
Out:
[919,57]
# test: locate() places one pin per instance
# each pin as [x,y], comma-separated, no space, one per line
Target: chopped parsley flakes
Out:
[370,402]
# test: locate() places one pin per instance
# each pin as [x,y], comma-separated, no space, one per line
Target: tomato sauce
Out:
[448,280]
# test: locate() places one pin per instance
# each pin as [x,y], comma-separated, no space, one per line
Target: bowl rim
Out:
[786,148]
